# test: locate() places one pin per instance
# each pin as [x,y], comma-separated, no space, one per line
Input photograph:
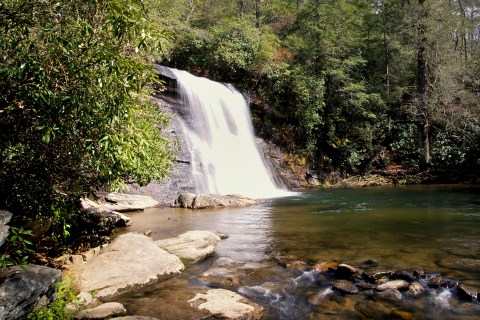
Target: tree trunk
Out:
[257,13]
[241,7]
[423,130]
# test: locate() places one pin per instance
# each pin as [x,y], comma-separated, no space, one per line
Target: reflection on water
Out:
[432,228]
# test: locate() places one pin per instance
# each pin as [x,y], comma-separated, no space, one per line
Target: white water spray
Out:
[225,159]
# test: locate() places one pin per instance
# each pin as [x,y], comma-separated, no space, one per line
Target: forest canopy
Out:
[360,84]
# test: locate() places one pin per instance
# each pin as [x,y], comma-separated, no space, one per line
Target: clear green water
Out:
[435,228]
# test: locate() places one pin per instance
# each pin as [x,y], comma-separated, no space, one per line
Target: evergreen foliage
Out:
[354,85]
[75,81]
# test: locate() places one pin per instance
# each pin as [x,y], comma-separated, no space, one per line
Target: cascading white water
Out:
[225,159]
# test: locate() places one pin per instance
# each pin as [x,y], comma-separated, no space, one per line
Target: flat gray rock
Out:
[131,261]
[124,202]
[102,311]
[192,246]
[204,201]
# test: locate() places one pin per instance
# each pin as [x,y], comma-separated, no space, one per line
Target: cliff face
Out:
[180,179]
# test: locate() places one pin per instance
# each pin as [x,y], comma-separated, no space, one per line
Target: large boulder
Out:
[24,287]
[105,217]
[191,246]
[123,202]
[204,201]
[226,304]
[5,217]
[131,261]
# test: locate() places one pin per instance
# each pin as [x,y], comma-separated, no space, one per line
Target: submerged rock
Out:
[404,275]
[226,304]
[389,295]
[132,261]
[191,246]
[203,201]
[24,287]
[225,273]
[345,287]
[466,294]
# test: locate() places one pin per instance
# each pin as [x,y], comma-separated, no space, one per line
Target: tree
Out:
[75,81]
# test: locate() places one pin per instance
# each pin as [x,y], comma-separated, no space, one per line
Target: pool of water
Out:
[433,228]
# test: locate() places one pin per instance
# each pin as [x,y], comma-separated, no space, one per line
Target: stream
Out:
[429,228]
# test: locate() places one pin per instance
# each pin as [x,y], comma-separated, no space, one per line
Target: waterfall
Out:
[217,126]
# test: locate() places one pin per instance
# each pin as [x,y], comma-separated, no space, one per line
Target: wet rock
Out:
[185,200]
[327,265]
[466,294]
[370,263]
[297,265]
[373,310]
[404,275]
[394,284]
[389,295]
[419,273]
[345,287]
[345,271]
[23,287]
[191,246]
[340,306]
[415,289]
[382,275]
[226,304]
[320,296]
[132,261]
[435,282]
[102,311]
[203,201]
[366,285]
[449,284]
[224,273]
[5,217]
[404,315]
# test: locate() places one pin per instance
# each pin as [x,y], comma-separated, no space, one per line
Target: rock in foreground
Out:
[204,201]
[130,262]
[192,246]
[24,287]
[226,304]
